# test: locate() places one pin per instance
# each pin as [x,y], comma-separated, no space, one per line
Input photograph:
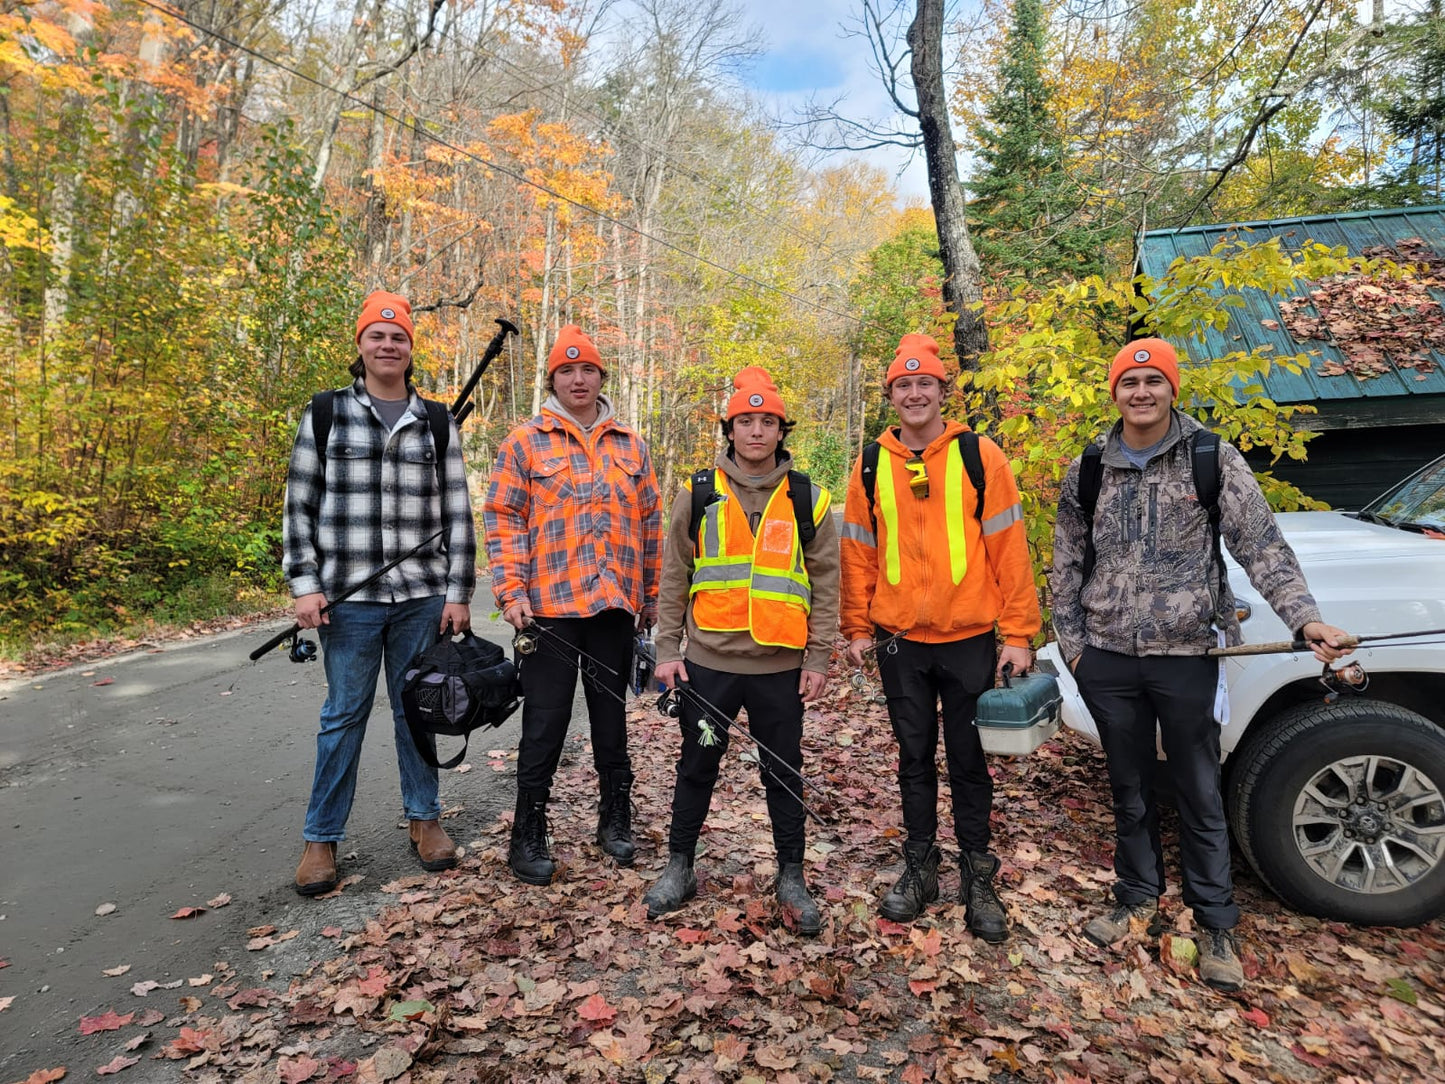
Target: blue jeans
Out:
[353,646]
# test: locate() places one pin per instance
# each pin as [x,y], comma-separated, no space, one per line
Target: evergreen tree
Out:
[1029,217]
[1417,118]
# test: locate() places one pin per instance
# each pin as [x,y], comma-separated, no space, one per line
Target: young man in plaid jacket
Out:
[371,493]
[573,522]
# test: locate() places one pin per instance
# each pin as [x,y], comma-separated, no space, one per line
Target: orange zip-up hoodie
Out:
[940,595]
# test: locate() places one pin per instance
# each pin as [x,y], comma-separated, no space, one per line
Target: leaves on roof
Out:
[1380,319]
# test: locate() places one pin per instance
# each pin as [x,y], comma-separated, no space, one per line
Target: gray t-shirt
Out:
[389,410]
[1139,457]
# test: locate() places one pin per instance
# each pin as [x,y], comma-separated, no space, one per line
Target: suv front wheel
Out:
[1340,809]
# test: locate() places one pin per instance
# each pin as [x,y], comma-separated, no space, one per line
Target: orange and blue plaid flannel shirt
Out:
[574,521]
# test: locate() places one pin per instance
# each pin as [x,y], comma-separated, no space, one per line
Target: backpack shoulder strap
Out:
[871,452]
[973,464]
[1091,480]
[704,492]
[323,409]
[1204,459]
[439,419]
[800,490]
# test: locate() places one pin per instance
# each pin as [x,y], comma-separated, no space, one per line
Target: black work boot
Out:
[793,896]
[676,886]
[614,816]
[983,913]
[917,888]
[528,855]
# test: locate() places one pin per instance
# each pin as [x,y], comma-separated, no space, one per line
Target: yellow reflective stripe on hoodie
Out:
[887,505]
[956,516]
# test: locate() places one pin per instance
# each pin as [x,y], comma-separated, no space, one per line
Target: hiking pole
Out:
[718,716]
[459,411]
[1286,647]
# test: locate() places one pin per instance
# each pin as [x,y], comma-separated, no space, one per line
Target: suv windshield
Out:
[1418,502]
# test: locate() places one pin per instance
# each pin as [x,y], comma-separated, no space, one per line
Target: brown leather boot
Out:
[433,846]
[316,872]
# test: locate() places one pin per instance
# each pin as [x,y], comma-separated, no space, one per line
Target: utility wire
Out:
[618,135]
[416,128]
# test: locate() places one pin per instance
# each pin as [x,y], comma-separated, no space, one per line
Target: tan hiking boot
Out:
[1122,920]
[316,872]
[1219,964]
[433,846]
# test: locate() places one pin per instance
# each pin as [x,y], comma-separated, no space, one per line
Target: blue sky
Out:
[809,55]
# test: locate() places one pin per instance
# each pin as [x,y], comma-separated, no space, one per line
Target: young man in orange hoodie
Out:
[939,574]
[573,521]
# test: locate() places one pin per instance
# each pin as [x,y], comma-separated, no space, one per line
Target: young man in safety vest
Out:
[573,522]
[1140,595]
[756,590]
[941,574]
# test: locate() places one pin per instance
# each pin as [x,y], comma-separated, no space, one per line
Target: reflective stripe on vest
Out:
[757,584]
[954,512]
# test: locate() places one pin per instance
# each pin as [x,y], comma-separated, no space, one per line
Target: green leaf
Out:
[1401,990]
[402,1011]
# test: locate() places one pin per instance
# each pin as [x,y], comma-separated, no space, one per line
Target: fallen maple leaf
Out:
[105,681]
[44,1076]
[113,972]
[189,912]
[135,1041]
[115,1065]
[220,901]
[596,1009]
[190,1041]
[6,1002]
[106,1021]
[1256,1016]
[331,931]
[295,1070]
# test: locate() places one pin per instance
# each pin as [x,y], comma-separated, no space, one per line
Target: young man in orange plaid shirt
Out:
[573,522]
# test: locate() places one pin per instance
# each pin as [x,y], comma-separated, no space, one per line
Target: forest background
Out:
[194,198]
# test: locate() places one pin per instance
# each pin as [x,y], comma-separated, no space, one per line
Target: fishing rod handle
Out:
[1278,647]
[275,642]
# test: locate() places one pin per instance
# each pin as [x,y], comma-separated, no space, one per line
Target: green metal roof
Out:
[1356,231]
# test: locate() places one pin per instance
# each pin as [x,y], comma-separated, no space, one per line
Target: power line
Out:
[637,141]
[417,129]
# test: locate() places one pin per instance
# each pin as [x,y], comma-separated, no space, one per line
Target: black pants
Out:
[1127,696]
[915,679]
[549,681]
[775,717]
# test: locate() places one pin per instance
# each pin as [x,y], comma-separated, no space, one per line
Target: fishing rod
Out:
[888,646]
[1287,647]
[460,409]
[528,640]
[666,702]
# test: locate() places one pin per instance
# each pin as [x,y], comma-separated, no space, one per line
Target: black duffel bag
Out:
[455,687]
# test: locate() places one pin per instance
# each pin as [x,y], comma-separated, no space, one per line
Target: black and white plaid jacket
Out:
[375,497]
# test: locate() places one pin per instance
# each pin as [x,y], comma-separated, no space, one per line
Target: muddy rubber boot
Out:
[676,886]
[614,817]
[793,896]
[917,888]
[983,911]
[1121,920]
[1219,964]
[528,855]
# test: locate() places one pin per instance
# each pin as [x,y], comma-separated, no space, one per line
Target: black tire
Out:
[1298,748]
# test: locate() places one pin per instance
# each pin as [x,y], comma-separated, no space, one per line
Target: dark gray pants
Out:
[1127,696]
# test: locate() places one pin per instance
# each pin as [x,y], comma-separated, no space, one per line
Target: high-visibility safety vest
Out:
[955,515]
[753,582]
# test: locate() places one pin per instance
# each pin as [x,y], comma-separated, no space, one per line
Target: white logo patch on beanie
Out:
[573,352]
[755,399]
[1141,356]
[913,365]
[388,314]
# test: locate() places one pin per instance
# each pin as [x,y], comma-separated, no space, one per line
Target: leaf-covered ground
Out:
[471,976]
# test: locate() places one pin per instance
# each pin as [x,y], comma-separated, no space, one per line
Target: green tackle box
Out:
[1018,717]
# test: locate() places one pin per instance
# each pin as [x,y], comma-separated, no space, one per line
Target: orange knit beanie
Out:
[383,307]
[756,394]
[573,347]
[917,355]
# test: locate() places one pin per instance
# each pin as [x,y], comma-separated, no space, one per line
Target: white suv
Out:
[1340,806]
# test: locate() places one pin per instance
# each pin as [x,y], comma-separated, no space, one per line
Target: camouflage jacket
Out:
[1156,589]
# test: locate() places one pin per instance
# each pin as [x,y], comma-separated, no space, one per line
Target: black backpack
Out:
[800,492]
[972,463]
[1203,461]
[455,687]
[323,410]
